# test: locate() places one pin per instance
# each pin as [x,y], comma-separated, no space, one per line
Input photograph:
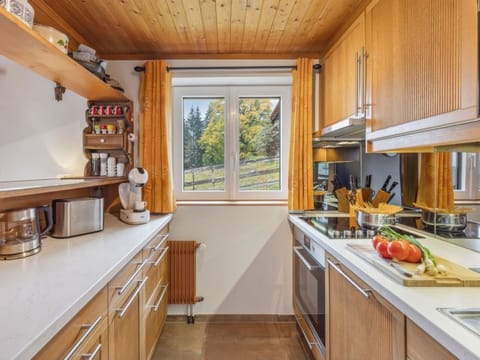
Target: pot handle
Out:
[48,216]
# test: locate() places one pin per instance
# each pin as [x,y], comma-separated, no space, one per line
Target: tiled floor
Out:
[230,341]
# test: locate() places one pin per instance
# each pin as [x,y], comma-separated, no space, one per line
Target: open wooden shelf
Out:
[45,186]
[26,47]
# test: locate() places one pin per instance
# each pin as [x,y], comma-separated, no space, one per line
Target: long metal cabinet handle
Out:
[364,292]
[123,310]
[159,245]
[156,262]
[300,256]
[356,82]
[93,354]
[362,80]
[121,289]
[156,306]
[82,339]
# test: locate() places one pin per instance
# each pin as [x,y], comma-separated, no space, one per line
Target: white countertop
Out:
[41,293]
[417,303]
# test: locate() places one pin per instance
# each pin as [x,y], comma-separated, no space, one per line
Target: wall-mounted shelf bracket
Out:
[59,91]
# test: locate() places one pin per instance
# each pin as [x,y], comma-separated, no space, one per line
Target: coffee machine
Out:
[21,231]
[130,193]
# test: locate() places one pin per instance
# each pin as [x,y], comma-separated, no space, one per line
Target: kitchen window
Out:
[466,176]
[231,142]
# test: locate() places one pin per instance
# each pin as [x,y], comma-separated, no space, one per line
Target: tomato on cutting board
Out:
[376,239]
[382,249]
[415,254]
[398,249]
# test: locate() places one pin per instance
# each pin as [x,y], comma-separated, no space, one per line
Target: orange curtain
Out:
[435,188]
[155,136]
[300,170]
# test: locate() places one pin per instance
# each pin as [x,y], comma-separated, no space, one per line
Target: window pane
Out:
[203,144]
[259,141]
[457,170]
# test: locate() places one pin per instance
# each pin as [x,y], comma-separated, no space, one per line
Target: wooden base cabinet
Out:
[421,346]
[156,292]
[125,320]
[360,323]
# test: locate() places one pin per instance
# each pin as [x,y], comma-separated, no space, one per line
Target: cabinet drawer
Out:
[155,315]
[93,141]
[125,282]
[88,324]
[157,268]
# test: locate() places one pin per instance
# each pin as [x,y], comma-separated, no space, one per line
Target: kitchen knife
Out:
[395,183]
[385,184]
[355,179]
[397,267]
[368,181]
[392,195]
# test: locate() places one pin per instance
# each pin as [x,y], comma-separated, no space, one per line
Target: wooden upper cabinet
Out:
[342,75]
[421,71]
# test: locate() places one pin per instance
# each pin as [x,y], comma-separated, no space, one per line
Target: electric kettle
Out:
[21,231]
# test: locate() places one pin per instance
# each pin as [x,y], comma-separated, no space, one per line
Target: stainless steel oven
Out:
[309,291]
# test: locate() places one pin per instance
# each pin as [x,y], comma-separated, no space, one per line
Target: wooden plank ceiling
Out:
[149,29]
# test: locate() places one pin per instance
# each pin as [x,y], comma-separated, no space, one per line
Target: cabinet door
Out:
[125,330]
[126,298]
[360,324]
[422,346]
[421,72]
[342,76]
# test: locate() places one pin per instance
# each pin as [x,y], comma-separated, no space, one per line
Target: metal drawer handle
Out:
[156,262]
[122,311]
[82,339]
[155,307]
[92,355]
[300,256]
[159,245]
[121,289]
[364,292]
[309,343]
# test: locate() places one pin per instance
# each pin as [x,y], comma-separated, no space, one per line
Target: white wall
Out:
[39,137]
[246,267]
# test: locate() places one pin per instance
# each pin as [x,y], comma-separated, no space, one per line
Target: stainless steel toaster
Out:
[78,216]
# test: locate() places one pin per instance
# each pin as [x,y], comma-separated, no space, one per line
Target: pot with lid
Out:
[21,231]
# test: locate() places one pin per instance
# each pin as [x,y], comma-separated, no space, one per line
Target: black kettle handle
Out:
[48,216]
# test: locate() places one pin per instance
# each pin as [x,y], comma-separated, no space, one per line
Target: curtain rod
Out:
[142,68]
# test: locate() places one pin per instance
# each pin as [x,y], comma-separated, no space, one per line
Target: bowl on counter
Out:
[373,221]
[57,38]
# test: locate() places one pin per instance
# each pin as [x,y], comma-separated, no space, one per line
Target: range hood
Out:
[352,128]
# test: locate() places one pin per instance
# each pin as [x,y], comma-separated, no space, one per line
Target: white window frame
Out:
[469,189]
[231,94]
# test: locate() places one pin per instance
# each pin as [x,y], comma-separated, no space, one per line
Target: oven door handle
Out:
[302,258]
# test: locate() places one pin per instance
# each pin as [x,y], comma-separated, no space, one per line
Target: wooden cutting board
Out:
[456,276]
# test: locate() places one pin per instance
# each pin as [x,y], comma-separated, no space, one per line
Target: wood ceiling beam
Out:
[230,56]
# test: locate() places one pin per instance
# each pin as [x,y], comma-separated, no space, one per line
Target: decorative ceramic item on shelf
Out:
[21,9]
[57,38]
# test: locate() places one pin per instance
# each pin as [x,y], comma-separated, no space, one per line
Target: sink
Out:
[468,317]
[476,269]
